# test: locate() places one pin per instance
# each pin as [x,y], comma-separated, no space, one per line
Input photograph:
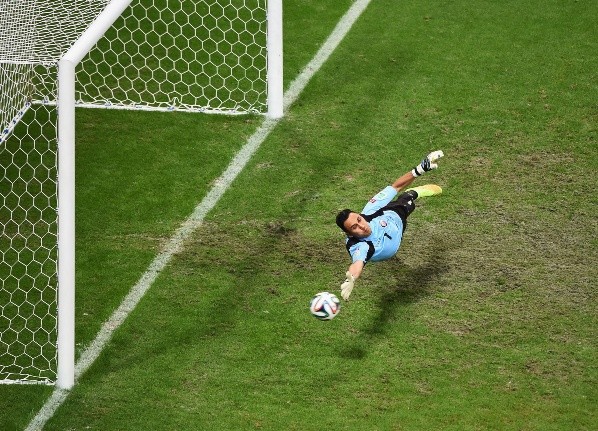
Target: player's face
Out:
[357,226]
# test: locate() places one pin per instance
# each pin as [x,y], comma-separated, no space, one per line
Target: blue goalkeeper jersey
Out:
[387,230]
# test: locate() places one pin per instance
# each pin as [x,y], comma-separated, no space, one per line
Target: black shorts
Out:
[403,205]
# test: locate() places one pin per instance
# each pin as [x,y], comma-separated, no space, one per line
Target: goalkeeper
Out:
[375,234]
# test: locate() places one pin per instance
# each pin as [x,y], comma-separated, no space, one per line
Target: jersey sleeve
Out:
[360,250]
[381,199]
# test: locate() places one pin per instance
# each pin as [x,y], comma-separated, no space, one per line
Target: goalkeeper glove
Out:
[427,164]
[347,286]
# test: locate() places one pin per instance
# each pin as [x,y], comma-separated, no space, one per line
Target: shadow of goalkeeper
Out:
[411,285]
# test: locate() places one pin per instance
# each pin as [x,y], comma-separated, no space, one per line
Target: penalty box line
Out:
[194,221]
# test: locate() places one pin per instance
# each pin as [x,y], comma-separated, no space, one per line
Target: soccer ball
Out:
[324,306]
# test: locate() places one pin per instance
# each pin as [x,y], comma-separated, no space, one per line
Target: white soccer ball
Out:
[324,306]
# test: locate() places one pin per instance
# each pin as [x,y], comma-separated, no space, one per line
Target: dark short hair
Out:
[342,217]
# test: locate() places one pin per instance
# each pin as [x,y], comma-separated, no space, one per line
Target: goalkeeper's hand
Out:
[427,164]
[347,286]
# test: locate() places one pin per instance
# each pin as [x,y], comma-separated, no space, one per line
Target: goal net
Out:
[190,55]
[178,55]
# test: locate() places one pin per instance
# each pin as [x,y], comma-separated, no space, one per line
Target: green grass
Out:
[484,321]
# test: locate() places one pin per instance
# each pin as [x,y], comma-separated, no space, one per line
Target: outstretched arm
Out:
[355,268]
[403,181]
[352,274]
[426,165]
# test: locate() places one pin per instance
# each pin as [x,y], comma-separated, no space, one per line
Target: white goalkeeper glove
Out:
[427,164]
[347,286]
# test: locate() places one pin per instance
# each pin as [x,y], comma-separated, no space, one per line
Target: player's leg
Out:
[404,204]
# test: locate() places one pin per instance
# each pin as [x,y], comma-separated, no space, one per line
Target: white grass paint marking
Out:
[194,221]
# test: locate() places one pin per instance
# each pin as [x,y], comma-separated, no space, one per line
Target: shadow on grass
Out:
[411,285]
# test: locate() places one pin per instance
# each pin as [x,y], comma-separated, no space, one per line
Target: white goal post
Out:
[214,56]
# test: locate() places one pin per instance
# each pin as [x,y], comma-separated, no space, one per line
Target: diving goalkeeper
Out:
[375,234]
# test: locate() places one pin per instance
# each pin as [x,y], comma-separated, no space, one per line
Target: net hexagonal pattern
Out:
[187,55]
[28,222]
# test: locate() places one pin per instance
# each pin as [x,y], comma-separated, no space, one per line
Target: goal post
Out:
[66,189]
[275,83]
[65,343]
[214,56]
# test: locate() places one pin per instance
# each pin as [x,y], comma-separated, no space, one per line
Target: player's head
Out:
[353,224]
[341,217]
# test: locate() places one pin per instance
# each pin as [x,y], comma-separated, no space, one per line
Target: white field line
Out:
[194,221]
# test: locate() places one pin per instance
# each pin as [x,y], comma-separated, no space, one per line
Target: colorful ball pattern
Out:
[324,306]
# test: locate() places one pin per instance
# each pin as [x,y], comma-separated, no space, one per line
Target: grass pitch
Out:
[484,321]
